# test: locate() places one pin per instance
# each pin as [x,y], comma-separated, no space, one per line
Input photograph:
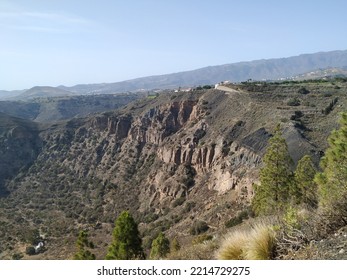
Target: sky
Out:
[64,42]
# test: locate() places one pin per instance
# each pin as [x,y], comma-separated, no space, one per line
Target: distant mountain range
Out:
[265,69]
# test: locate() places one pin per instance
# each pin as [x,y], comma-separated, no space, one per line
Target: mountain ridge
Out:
[262,69]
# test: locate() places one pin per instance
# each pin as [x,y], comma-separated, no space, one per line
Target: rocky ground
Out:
[333,247]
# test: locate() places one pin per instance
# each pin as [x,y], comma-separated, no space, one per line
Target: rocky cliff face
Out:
[176,136]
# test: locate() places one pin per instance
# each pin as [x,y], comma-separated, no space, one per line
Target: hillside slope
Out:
[43,91]
[20,144]
[175,162]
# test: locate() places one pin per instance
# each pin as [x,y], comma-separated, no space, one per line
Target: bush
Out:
[199,227]
[175,245]
[297,115]
[17,256]
[188,207]
[30,250]
[160,247]
[291,218]
[199,133]
[293,102]
[303,90]
[201,239]
[179,201]
[237,220]
[150,217]
[82,245]
[34,237]
[330,107]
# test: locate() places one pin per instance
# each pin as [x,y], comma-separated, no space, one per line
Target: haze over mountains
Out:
[264,69]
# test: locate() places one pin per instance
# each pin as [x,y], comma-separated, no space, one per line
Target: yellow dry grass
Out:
[256,243]
[233,246]
[261,244]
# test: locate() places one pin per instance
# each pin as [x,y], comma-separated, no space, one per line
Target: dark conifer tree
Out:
[160,247]
[304,190]
[275,177]
[332,181]
[83,244]
[126,244]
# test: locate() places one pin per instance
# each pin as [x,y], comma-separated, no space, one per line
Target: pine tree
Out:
[275,177]
[126,244]
[305,189]
[82,244]
[160,247]
[332,182]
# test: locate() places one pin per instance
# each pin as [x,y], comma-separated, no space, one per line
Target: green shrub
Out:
[175,245]
[237,220]
[198,228]
[188,207]
[297,115]
[83,244]
[330,107]
[17,256]
[201,239]
[293,102]
[179,201]
[291,218]
[160,247]
[303,90]
[150,217]
[30,250]
[34,237]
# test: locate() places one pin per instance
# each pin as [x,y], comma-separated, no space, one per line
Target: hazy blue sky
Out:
[54,42]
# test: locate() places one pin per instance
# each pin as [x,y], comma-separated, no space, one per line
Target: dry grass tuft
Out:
[233,246]
[257,243]
[262,243]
